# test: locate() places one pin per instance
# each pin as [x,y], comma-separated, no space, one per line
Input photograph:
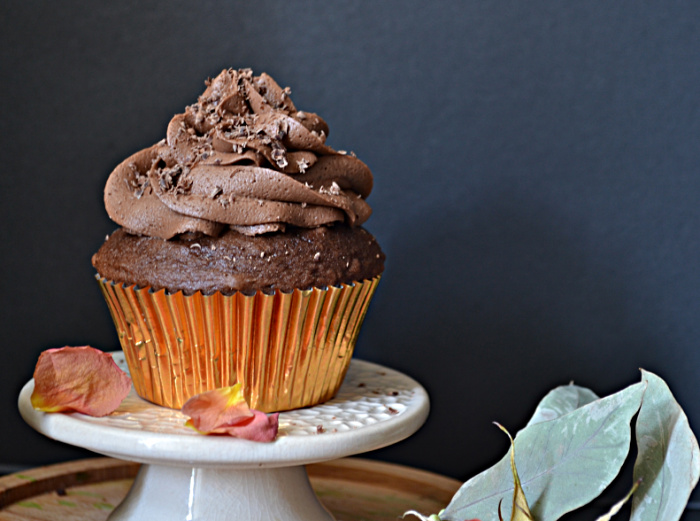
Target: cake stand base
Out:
[220,494]
[190,477]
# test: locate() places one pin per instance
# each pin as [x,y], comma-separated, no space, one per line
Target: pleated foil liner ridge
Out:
[288,350]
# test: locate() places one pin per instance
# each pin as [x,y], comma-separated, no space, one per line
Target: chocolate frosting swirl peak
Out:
[242,157]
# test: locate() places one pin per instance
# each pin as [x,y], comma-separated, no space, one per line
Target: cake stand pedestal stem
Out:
[197,494]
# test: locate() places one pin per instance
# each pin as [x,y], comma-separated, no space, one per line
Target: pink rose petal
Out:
[225,411]
[260,427]
[219,407]
[81,379]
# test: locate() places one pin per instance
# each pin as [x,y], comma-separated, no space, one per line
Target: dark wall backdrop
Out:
[536,185]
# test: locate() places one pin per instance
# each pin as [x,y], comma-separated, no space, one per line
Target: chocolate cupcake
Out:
[241,256]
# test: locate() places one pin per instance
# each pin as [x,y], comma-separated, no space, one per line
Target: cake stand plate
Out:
[187,476]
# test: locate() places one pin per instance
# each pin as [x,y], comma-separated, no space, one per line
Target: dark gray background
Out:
[536,185]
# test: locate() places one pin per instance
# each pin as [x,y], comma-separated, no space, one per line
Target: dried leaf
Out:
[520,510]
[432,517]
[217,408]
[563,463]
[422,517]
[668,460]
[561,400]
[618,506]
[81,379]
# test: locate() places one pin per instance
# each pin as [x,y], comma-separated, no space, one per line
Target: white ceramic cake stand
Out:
[190,477]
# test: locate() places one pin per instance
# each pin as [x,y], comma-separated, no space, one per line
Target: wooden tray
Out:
[353,489]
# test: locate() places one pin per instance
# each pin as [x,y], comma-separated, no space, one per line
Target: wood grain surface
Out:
[353,489]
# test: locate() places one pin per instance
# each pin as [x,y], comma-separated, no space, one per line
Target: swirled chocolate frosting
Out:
[241,157]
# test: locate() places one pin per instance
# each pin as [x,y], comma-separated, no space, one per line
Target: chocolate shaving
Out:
[279,155]
[303,164]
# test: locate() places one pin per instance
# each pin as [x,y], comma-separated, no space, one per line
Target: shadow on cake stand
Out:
[187,477]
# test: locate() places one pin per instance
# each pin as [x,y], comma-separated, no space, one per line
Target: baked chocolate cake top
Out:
[299,258]
[242,157]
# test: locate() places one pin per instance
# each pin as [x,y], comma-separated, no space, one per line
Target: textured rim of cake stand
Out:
[375,407]
[188,476]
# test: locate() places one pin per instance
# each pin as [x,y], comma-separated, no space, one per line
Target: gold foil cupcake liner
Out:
[288,350]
